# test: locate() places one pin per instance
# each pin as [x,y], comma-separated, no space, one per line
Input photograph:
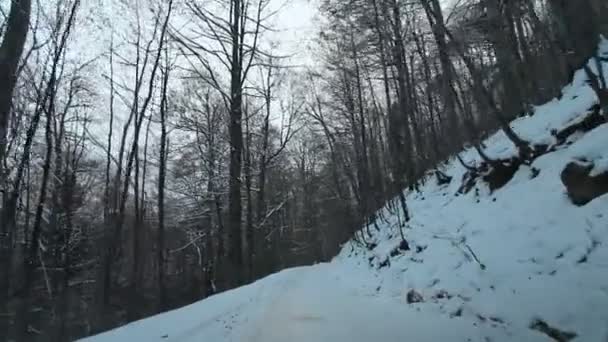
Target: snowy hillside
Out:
[519,264]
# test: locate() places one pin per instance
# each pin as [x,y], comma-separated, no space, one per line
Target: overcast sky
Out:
[297,26]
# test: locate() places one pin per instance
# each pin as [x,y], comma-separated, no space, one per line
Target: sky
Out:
[297,25]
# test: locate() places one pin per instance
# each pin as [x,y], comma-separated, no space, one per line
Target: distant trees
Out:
[236,37]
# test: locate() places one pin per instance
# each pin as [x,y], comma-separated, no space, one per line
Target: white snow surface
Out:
[543,258]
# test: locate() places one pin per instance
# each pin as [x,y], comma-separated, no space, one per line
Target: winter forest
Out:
[156,152]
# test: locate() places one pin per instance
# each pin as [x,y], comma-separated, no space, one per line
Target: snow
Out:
[486,264]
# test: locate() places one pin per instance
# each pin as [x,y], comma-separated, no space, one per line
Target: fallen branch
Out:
[554,333]
[481,265]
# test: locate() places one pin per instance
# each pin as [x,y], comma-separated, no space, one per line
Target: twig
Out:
[481,265]
[46,276]
[188,244]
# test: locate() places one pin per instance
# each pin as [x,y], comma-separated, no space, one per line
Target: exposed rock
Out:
[497,173]
[468,181]
[442,294]
[395,252]
[442,178]
[457,313]
[534,172]
[501,173]
[583,187]
[414,297]
[385,263]
[404,245]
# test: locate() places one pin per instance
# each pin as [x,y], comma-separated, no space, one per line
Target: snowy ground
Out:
[487,265]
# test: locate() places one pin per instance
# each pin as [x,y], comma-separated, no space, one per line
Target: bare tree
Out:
[237,37]
[161,188]
[137,116]
[11,49]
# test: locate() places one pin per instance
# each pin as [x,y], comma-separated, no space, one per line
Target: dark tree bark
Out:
[431,103]
[235,253]
[160,258]
[435,17]
[11,50]
[267,94]
[401,136]
[578,25]
[502,37]
[249,228]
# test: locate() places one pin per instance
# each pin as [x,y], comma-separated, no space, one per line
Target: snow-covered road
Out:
[317,304]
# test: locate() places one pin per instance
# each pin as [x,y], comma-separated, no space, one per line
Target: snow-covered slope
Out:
[481,266]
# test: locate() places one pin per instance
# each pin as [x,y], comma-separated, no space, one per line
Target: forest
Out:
[156,152]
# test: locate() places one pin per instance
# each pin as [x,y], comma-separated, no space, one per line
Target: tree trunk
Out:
[513,102]
[235,254]
[160,257]
[578,25]
[420,46]
[249,229]
[435,16]
[261,196]
[362,159]
[11,50]
[402,135]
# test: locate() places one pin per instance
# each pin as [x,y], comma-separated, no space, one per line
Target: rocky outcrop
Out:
[414,296]
[582,186]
